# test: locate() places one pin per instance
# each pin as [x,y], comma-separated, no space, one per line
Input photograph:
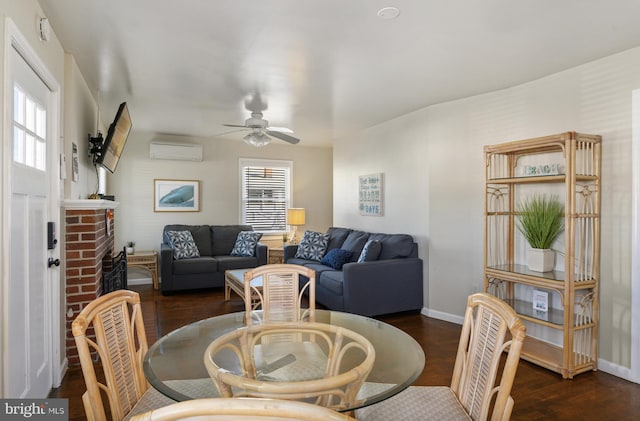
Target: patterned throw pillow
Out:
[183,245]
[370,251]
[336,258]
[312,246]
[246,243]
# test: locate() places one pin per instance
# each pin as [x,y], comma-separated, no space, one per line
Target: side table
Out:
[276,255]
[146,260]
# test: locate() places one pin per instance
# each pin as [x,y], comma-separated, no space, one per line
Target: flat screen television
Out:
[113,144]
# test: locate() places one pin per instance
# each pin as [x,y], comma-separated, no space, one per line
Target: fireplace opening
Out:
[115,273]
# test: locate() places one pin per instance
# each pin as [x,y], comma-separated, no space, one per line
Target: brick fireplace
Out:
[89,247]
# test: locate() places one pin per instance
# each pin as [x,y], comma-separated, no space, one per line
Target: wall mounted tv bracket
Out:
[96,147]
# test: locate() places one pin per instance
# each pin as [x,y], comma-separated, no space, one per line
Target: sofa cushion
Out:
[235,262]
[319,268]
[201,235]
[301,262]
[205,264]
[370,251]
[312,246]
[332,280]
[246,243]
[183,245]
[337,236]
[224,238]
[336,258]
[355,242]
[394,245]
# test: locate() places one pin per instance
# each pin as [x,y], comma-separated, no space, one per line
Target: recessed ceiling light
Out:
[388,12]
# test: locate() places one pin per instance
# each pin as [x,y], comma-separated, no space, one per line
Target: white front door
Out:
[29,291]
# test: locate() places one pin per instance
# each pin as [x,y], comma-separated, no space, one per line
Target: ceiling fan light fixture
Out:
[257,139]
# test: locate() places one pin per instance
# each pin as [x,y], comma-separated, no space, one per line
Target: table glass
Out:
[174,364]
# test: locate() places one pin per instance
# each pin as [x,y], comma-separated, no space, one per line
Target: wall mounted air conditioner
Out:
[175,151]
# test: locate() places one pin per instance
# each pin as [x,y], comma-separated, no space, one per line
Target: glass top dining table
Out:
[174,365]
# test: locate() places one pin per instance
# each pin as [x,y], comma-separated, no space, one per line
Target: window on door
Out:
[29,131]
[266,194]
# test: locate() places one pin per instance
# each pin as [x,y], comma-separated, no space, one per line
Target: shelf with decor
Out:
[564,169]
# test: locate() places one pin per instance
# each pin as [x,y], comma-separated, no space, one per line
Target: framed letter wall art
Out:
[370,198]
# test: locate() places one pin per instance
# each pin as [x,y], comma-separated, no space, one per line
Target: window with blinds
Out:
[266,194]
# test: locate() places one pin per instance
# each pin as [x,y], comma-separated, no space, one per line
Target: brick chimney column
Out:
[89,240]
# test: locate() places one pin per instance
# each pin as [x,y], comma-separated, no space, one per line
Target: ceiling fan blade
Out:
[231,131]
[285,137]
[235,125]
[280,129]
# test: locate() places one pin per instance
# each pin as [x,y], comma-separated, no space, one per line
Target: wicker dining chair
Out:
[237,409]
[321,364]
[280,295]
[487,325]
[112,327]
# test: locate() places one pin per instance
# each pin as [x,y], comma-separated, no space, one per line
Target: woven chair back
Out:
[324,364]
[110,330]
[281,294]
[232,409]
[490,328]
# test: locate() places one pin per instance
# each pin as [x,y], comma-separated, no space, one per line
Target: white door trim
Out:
[635,237]
[15,40]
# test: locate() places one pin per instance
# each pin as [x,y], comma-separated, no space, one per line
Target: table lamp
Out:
[295,217]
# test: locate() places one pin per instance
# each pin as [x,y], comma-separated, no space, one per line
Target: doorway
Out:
[31,289]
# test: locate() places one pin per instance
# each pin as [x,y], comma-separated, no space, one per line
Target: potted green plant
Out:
[541,220]
[131,247]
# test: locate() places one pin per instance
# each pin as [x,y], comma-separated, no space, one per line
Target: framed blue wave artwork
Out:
[176,195]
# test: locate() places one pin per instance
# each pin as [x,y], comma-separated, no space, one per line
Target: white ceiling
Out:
[325,67]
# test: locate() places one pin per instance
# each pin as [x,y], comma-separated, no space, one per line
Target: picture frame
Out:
[370,194]
[176,195]
[540,300]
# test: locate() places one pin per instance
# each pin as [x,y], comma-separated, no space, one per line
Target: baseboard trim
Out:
[452,318]
[140,281]
[616,370]
[603,365]
[61,370]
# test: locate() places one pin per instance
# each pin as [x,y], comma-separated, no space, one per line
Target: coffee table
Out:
[234,281]
[174,364]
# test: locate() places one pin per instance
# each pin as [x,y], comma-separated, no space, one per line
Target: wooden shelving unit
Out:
[564,338]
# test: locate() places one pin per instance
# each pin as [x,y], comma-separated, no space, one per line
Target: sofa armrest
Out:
[290,251]
[262,252]
[383,286]
[166,272]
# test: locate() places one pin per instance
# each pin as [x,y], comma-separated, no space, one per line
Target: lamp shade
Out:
[295,216]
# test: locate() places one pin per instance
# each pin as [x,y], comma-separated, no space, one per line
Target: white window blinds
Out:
[266,187]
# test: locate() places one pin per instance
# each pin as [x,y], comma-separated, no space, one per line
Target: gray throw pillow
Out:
[312,246]
[183,245]
[370,251]
[246,243]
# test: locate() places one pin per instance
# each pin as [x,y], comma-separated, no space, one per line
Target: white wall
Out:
[132,185]
[80,112]
[433,162]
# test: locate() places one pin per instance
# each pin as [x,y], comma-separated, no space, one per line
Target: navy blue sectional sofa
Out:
[390,283]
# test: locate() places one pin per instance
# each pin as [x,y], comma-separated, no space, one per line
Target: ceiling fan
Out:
[260,131]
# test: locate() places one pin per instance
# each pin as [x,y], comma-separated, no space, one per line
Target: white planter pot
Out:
[130,250]
[540,260]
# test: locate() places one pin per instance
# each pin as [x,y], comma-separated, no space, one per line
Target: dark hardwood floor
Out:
[538,393]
